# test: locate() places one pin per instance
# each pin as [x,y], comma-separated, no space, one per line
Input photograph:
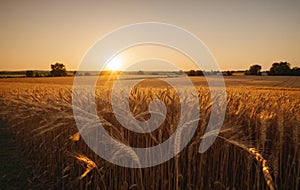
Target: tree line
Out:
[202,73]
[277,69]
[57,70]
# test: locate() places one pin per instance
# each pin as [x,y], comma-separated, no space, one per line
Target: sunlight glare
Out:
[114,64]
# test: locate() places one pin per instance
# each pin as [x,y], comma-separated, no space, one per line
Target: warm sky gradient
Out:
[35,34]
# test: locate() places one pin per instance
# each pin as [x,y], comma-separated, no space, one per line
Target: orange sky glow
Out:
[35,34]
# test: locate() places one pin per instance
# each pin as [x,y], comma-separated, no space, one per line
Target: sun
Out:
[114,65]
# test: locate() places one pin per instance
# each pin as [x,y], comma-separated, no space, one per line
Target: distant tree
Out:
[191,73]
[296,71]
[282,68]
[140,72]
[199,73]
[58,69]
[275,69]
[37,75]
[229,73]
[254,70]
[29,73]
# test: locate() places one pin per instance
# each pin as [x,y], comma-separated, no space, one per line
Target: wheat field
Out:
[258,146]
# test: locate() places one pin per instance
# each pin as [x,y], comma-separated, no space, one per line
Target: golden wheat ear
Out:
[75,137]
[259,158]
[89,164]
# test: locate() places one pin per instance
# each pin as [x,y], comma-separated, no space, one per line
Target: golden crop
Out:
[258,146]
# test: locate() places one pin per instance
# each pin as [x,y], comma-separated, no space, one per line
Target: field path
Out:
[13,174]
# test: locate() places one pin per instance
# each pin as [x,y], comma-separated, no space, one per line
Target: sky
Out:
[35,34]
